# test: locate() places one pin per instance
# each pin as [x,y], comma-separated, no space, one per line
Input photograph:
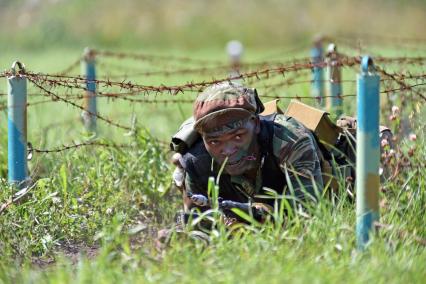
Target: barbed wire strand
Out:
[108,121]
[71,67]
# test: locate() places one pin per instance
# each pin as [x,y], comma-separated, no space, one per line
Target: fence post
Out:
[235,50]
[89,114]
[17,125]
[317,71]
[367,152]
[334,100]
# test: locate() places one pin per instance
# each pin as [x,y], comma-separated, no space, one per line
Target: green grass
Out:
[318,247]
[94,213]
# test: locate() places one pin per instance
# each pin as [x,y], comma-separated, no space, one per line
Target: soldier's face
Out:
[239,145]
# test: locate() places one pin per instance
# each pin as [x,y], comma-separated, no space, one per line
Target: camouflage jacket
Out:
[290,165]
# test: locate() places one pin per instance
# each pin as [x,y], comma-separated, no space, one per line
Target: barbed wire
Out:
[4,106]
[398,60]
[46,82]
[167,73]
[301,46]
[71,67]
[390,90]
[190,101]
[399,81]
[360,44]
[153,57]
[247,66]
[78,145]
[165,144]
[288,82]
[381,37]
[269,87]
[75,81]
[63,148]
[108,121]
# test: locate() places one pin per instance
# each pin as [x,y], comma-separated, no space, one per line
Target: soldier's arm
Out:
[303,167]
[194,187]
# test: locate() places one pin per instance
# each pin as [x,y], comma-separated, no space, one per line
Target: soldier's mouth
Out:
[233,163]
[245,158]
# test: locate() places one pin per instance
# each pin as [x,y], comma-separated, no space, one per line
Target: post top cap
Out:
[89,53]
[20,65]
[367,64]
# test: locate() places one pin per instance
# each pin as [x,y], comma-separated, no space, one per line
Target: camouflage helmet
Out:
[225,103]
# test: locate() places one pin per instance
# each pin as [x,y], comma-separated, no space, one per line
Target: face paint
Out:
[244,159]
[239,145]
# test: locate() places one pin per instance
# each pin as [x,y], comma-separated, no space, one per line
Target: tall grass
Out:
[316,246]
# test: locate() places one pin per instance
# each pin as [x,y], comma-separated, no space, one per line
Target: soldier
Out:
[257,153]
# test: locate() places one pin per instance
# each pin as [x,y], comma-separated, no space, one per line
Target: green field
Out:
[94,211]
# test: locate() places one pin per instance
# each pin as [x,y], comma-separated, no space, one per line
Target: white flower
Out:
[395,110]
[412,137]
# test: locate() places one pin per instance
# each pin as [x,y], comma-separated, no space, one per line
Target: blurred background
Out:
[49,36]
[193,24]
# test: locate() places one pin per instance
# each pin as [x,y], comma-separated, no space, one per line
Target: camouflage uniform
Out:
[290,157]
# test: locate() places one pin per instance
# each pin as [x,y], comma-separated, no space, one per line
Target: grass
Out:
[318,247]
[94,213]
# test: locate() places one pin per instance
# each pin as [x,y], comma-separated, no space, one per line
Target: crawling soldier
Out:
[274,152]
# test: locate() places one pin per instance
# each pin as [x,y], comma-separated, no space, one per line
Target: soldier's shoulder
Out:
[288,128]
[287,131]
[196,159]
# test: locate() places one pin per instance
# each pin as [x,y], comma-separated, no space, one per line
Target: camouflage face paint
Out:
[239,145]
[245,159]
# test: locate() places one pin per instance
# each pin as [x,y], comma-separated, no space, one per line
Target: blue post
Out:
[367,152]
[89,114]
[317,71]
[17,125]
[334,77]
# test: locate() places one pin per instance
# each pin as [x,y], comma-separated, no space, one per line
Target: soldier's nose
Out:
[228,150]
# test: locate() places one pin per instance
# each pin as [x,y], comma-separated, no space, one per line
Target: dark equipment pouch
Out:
[185,137]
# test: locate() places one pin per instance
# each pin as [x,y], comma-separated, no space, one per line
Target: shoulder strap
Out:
[266,134]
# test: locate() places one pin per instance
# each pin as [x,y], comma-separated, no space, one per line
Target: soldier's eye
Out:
[237,137]
[213,142]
